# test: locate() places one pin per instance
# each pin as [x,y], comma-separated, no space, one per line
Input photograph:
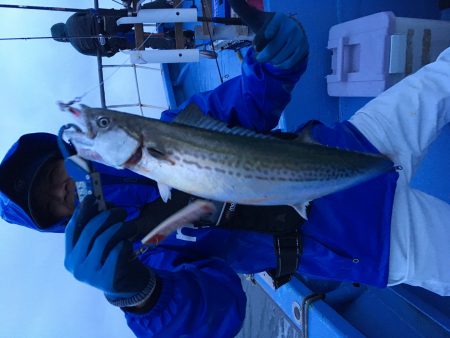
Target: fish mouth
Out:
[84,145]
[81,117]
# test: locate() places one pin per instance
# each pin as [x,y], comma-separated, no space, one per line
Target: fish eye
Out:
[103,122]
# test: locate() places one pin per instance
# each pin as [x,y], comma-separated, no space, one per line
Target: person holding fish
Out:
[363,224]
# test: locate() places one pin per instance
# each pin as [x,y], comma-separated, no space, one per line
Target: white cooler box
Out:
[372,53]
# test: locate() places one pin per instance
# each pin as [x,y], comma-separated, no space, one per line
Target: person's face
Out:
[54,194]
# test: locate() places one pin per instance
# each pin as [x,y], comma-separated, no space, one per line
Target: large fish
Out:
[202,156]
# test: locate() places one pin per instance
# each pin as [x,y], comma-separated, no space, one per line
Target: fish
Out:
[204,157]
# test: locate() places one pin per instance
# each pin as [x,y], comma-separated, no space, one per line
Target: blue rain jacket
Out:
[345,238]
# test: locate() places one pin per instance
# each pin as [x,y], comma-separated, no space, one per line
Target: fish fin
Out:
[302,209]
[159,155]
[305,135]
[193,212]
[190,115]
[164,191]
[194,117]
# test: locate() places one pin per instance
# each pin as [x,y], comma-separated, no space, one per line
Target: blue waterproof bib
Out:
[347,236]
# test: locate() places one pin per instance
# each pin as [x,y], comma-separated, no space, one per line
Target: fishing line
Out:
[117,2]
[69,37]
[97,37]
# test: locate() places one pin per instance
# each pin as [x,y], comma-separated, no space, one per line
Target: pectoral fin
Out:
[302,209]
[164,191]
[159,155]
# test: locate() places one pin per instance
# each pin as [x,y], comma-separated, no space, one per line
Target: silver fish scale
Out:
[256,167]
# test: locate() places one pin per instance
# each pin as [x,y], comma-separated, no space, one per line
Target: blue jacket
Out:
[345,238]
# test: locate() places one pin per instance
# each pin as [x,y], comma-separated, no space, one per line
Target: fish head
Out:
[106,137]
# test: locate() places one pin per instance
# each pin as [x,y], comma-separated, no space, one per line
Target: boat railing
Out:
[139,33]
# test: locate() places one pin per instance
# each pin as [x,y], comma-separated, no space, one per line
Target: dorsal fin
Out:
[194,117]
[305,135]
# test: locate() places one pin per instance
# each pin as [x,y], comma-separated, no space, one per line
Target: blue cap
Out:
[59,33]
[19,172]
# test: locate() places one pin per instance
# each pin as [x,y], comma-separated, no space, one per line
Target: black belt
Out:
[288,249]
[283,222]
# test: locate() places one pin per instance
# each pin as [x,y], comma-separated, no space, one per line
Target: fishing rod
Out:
[57,9]
[101,36]
[69,37]
[226,21]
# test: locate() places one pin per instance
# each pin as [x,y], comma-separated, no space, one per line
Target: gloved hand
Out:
[282,42]
[99,253]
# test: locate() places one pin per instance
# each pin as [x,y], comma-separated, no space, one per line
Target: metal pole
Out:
[100,71]
[100,79]
[137,90]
